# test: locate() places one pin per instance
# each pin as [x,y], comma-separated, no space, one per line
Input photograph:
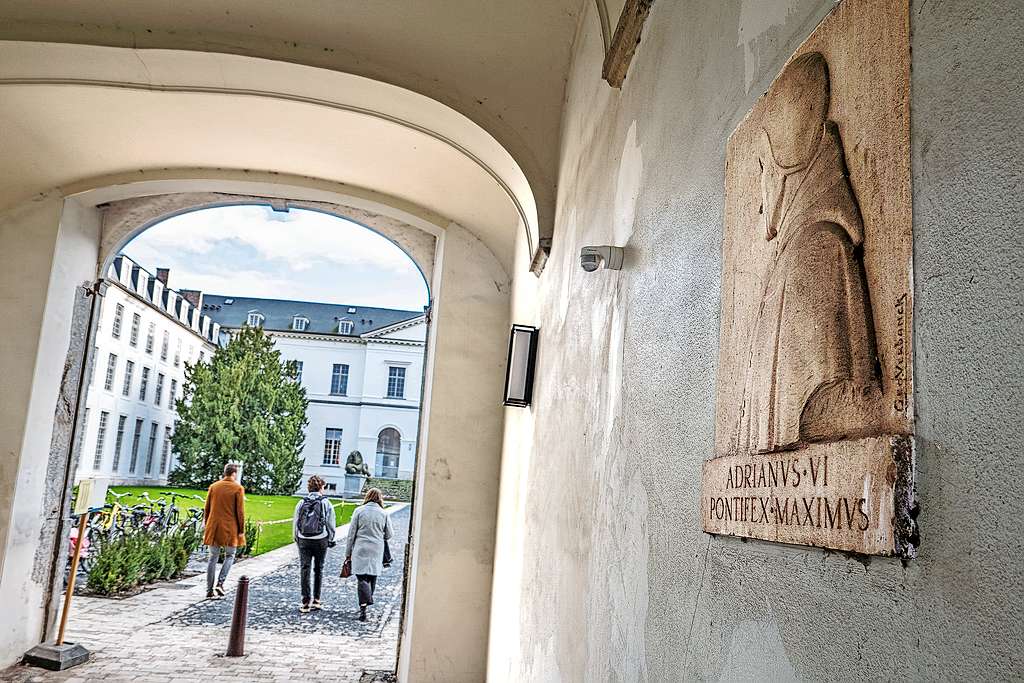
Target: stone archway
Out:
[466,348]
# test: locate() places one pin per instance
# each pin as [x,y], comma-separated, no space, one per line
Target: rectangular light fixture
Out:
[522,359]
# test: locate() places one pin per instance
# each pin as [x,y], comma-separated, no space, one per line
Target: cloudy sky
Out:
[299,254]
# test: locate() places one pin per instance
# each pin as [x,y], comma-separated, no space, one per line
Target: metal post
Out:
[71,580]
[236,640]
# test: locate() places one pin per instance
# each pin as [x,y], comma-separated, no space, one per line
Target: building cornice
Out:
[149,304]
[339,339]
[395,327]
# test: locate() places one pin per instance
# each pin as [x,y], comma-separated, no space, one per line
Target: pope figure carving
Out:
[812,372]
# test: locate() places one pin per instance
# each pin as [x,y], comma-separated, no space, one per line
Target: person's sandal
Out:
[316,604]
[304,608]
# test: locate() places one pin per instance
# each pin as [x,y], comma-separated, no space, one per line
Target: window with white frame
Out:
[298,371]
[143,384]
[101,438]
[158,393]
[345,326]
[150,338]
[152,447]
[300,323]
[174,393]
[177,354]
[166,451]
[129,371]
[254,319]
[136,440]
[332,446]
[136,323]
[108,381]
[164,345]
[339,380]
[118,443]
[396,382]
[115,329]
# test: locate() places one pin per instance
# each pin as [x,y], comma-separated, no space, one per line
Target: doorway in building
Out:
[292,341]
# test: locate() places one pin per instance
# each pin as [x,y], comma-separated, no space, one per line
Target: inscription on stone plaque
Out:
[813,439]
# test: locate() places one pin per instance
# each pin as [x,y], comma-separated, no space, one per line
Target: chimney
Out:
[193,296]
[163,274]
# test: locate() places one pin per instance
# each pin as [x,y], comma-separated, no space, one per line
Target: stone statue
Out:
[812,372]
[355,464]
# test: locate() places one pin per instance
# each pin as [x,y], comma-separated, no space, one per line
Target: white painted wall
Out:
[602,571]
[44,257]
[454,516]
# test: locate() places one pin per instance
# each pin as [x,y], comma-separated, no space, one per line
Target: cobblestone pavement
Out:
[173,634]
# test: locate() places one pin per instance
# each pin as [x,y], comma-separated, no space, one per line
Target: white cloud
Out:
[299,237]
[302,255]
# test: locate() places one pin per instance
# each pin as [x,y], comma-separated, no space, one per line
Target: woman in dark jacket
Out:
[368,531]
[313,529]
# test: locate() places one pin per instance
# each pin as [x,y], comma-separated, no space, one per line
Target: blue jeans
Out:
[211,565]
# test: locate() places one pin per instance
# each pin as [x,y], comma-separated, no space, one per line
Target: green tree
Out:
[245,405]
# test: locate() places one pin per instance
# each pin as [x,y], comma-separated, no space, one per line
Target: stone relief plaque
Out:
[814,415]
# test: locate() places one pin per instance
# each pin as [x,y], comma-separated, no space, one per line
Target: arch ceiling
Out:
[72,112]
[501,64]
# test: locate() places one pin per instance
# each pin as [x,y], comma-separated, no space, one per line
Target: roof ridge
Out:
[312,303]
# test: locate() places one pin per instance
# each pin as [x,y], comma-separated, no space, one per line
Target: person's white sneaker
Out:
[219,591]
[316,604]
[304,608]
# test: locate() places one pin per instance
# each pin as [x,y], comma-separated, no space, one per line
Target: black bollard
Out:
[236,641]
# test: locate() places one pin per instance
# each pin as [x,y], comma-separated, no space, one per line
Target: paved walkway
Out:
[174,634]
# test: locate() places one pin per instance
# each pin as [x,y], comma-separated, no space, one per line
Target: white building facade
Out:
[362,369]
[145,335]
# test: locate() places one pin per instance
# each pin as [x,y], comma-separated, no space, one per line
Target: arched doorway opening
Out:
[389,451]
[162,316]
[373,150]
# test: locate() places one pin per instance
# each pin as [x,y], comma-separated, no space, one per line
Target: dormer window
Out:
[300,323]
[345,326]
[254,319]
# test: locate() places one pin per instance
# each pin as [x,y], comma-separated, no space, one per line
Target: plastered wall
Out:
[49,256]
[448,606]
[602,571]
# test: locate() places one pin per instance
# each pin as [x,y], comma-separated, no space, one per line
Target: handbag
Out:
[346,569]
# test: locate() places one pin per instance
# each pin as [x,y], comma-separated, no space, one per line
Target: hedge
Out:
[393,489]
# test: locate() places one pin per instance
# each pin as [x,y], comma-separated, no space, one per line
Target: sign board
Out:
[92,493]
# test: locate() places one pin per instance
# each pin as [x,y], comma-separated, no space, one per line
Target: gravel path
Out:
[274,598]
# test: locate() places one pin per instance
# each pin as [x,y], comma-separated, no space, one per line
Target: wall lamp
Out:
[592,258]
[522,360]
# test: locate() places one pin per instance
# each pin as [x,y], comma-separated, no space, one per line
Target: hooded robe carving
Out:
[812,372]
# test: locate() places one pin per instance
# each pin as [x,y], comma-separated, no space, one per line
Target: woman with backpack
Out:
[313,530]
[368,532]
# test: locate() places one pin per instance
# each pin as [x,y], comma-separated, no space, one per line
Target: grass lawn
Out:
[274,513]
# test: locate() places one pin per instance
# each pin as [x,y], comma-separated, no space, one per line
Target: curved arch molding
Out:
[169,108]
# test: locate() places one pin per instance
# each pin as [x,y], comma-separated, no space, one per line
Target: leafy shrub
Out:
[393,489]
[252,538]
[139,558]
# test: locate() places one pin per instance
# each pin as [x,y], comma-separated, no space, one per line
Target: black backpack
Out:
[311,516]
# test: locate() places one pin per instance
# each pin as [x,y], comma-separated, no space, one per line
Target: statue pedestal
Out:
[354,485]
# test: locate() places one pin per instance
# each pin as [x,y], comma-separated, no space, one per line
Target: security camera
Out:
[592,258]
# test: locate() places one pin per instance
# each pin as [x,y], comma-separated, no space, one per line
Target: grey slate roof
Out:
[323,318]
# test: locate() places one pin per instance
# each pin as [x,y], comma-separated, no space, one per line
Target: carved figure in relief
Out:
[813,371]
[355,465]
